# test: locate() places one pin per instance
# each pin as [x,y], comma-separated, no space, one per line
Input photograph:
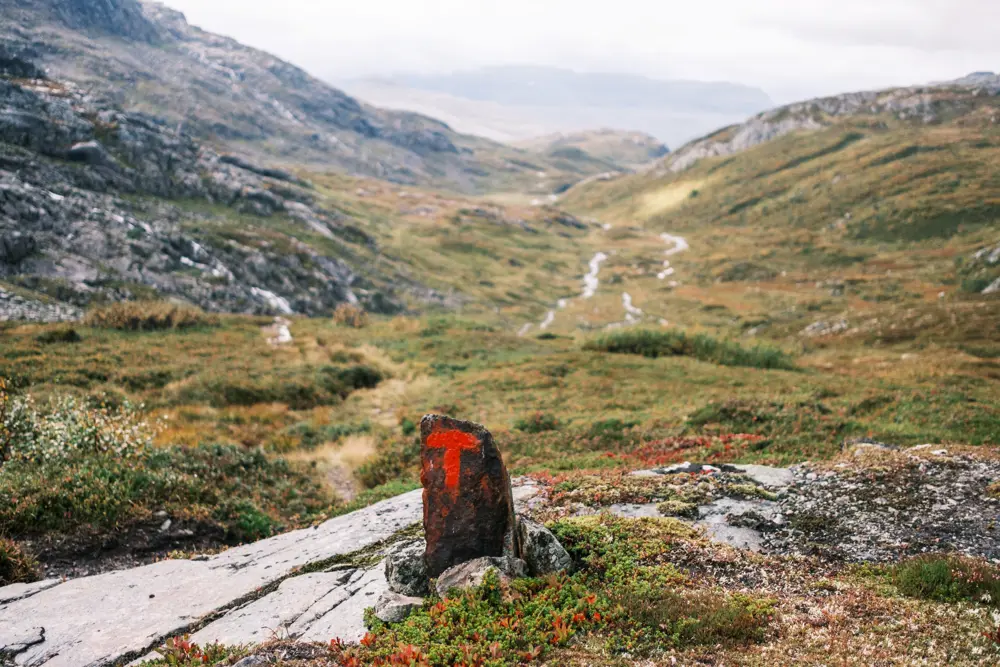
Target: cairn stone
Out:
[468,505]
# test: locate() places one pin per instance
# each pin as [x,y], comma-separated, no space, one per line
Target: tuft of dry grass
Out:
[16,565]
[348,315]
[148,316]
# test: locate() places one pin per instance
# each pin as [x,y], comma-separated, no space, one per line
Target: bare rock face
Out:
[395,608]
[473,572]
[406,571]
[542,551]
[468,506]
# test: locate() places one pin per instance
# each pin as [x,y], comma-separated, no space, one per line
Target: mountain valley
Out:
[750,381]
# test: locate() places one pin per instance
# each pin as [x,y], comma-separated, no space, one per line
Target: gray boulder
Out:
[542,551]
[89,152]
[471,573]
[252,661]
[395,608]
[16,246]
[406,571]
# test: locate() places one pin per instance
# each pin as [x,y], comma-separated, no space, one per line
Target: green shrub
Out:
[63,335]
[538,422]
[307,436]
[975,285]
[244,520]
[298,388]
[654,344]
[395,461]
[16,565]
[148,316]
[949,578]
[622,593]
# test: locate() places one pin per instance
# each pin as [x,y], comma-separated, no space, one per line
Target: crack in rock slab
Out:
[16,592]
[99,620]
[270,616]
[346,621]
[19,642]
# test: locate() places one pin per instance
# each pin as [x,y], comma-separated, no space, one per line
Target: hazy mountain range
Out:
[514,103]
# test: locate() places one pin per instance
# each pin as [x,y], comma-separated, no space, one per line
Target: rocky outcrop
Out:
[542,552]
[87,210]
[926,104]
[406,570]
[121,18]
[473,572]
[873,503]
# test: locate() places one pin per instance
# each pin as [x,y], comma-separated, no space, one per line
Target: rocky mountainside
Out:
[144,57]
[100,204]
[924,104]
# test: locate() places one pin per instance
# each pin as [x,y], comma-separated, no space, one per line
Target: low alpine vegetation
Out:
[16,565]
[71,467]
[655,344]
[624,595]
[349,315]
[948,578]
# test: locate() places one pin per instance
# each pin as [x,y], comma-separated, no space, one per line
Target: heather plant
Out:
[74,465]
[654,344]
[948,578]
[349,315]
[622,594]
[17,566]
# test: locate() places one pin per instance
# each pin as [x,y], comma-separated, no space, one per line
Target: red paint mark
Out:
[453,443]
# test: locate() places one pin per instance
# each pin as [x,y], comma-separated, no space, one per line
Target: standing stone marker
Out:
[468,506]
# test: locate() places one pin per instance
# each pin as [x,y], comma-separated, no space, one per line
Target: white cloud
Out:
[791,48]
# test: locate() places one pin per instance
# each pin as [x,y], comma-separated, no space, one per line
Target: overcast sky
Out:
[791,48]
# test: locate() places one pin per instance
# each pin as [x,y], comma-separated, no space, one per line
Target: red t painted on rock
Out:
[468,505]
[453,443]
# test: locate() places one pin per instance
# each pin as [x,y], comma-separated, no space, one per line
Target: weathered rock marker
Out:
[468,506]
[469,522]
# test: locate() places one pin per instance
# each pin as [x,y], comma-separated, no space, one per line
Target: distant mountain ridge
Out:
[545,86]
[517,103]
[621,150]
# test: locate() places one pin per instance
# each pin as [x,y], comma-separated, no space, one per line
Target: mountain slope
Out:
[146,58]
[621,151]
[929,104]
[873,216]
[99,205]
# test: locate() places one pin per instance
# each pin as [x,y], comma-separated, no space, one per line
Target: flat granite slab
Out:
[121,616]
[117,616]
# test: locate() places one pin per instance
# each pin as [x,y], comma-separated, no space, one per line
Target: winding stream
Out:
[591,282]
